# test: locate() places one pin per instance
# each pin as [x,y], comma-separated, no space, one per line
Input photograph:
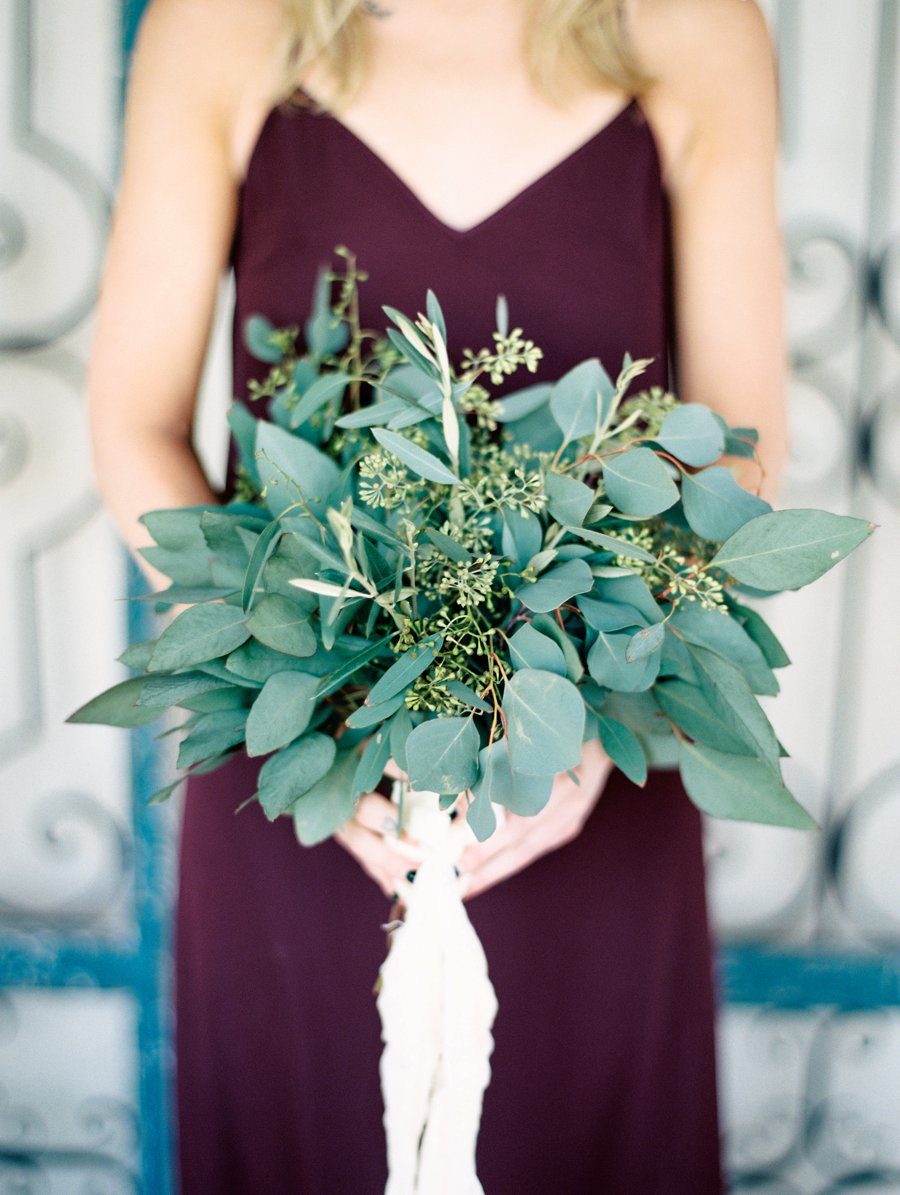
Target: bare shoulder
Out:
[713,68]
[220,61]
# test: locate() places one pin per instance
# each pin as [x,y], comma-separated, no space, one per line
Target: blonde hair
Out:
[566,40]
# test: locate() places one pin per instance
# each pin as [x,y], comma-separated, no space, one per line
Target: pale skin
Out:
[206,73]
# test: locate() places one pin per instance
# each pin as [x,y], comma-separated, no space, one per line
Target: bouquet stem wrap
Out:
[437,1007]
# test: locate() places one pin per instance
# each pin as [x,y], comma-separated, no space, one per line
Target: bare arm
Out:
[205,73]
[714,110]
[191,85]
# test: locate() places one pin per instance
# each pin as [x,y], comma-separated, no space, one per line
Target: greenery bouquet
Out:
[412,568]
[472,585]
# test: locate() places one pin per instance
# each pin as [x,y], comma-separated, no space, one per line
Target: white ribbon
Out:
[437,1006]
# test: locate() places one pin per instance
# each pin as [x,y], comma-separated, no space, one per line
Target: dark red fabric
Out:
[604,1069]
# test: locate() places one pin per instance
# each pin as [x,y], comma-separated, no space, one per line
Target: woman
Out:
[475,148]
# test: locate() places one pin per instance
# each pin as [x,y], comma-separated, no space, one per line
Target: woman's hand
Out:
[521,840]
[371,838]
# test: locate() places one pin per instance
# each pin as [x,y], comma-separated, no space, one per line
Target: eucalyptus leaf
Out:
[373,761]
[463,693]
[787,549]
[418,388]
[480,813]
[742,442]
[442,755]
[692,433]
[630,591]
[581,399]
[528,648]
[179,595]
[542,560]
[609,616]
[547,625]
[185,568]
[638,483]
[243,432]
[675,660]
[324,333]
[285,777]
[401,674]
[623,747]
[556,586]
[597,513]
[162,794]
[378,414]
[217,669]
[688,707]
[763,636]
[408,350]
[329,803]
[365,523]
[640,712]
[575,552]
[731,697]
[263,549]
[371,715]
[256,662]
[500,784]
[450,548]
[258,339]
[346,668]
[521,537]
[569,499]
[282,625]
[612,543]
[211,735]
[327,388]
[137,655]
[281,712]
[198,634]
[423,463]
[521,403]
[400,728]
[544,722]
[292,470]
[733,786]
[645,642]
[118,706]
[715,505]
[537,432]
[725,636]
[159,692]
[608,663]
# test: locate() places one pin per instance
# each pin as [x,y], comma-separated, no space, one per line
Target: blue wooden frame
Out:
[142,967]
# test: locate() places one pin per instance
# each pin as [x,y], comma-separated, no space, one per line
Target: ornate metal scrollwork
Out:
[824,277]
[56,196]
[66,829]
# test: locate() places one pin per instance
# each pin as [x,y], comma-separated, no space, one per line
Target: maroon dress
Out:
[604,1066]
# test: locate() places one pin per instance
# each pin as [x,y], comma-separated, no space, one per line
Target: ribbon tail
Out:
[437,1007]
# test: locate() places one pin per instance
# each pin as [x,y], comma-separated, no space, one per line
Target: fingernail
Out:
[410,877]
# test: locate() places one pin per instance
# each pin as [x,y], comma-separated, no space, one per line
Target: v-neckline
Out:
[508,205]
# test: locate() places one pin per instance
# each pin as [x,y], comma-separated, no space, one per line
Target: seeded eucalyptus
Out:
[411,567]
